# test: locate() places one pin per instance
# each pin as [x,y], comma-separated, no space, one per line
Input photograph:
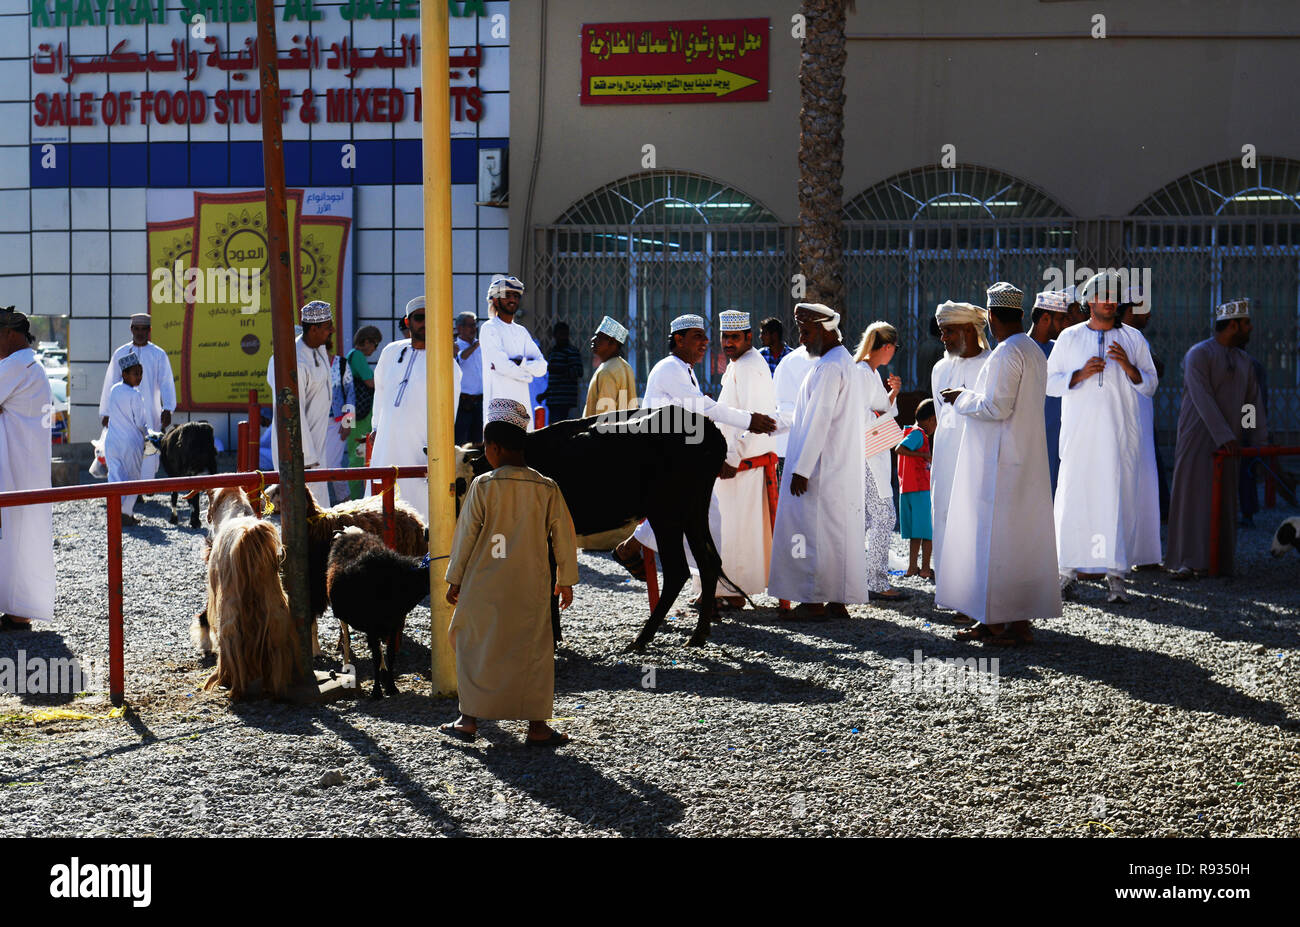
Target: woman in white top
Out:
[877,348]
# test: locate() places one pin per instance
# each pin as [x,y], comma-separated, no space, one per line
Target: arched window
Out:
[650,247]
[945,194]
[1217,233]
[932,234]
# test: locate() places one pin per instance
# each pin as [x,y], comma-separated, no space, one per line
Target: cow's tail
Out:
[713,550]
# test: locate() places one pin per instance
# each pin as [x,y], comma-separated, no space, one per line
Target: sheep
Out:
[367,514]
[373,589]
[1287,537]
[188,450]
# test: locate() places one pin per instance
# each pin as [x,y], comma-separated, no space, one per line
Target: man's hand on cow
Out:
[950,395]
[166,419]
[453,592]
[727,471]
[798,485]
[104,422]
[566,595]
[761,424]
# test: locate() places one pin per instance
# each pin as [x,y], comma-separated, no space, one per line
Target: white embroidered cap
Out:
[509,411]
[316,311]
[683,322]
[613,329]
[1233,309]
[733,320]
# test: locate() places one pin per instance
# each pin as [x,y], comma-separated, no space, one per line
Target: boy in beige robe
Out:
[499,581]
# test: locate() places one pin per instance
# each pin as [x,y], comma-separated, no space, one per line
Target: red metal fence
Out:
[249,480]
[1216,493]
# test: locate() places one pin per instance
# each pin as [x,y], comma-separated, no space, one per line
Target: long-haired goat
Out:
[249,610]
[373,589]
[366,514]
[223,505]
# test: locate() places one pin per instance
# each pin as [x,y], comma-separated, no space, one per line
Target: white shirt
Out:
[1099,506]
[672,382]
[157,385]
[314,395]
[26,532]
[500,341]
[819,541]
[1002,491]
[950,373]
[787,378]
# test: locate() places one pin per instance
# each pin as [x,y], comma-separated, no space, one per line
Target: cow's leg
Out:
[175,518]
[673,558]
[390,665]
[194,510]
[710,565]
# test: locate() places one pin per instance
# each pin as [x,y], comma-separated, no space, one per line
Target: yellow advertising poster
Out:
[322,256]
[170,245]
[209,289]
[229,332]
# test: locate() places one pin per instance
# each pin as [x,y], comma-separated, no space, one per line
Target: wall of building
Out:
[1099,124]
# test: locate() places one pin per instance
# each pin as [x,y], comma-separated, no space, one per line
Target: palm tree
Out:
[821,151]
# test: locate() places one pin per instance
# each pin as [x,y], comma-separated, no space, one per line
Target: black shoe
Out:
[898,596]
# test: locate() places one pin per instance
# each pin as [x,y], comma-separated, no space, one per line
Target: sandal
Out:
[555,740]
[8,624]
[980,632]
[804,612]
[634,564]
[452,731]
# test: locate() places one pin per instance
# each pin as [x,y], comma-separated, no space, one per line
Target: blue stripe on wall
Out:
[239,164]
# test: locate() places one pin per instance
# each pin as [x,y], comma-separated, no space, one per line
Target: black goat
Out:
[188,450]
[372,589]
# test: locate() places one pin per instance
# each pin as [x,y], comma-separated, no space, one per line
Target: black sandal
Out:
[8,624]
[555,740]
[452,731]
[980,633]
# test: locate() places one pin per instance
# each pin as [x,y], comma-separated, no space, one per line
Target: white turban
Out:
[951,313]
[831,322]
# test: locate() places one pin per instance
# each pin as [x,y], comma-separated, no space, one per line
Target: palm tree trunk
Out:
[821,152]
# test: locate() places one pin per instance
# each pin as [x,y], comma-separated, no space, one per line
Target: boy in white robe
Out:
[999,516]
[156,383]
[128,424]
[819,556]
[26,532]
[499,581]
[1100,368]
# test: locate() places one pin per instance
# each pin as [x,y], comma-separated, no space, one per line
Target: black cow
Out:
[188,450]
[657,464]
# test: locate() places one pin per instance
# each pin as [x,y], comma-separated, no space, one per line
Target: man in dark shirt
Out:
[772,333]
[564,369]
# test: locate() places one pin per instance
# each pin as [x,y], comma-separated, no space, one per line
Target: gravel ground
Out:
[1175,715]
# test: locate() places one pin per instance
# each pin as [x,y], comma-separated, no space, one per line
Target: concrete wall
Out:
[1162,108]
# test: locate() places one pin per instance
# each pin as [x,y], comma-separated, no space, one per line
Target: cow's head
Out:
[470,462]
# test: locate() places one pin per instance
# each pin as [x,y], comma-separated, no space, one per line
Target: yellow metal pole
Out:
[436,130]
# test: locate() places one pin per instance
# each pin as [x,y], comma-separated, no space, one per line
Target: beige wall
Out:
[1163,108]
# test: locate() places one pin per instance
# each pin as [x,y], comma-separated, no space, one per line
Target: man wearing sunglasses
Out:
[400,420]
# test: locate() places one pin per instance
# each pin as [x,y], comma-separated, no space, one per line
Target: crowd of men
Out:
[1040,465]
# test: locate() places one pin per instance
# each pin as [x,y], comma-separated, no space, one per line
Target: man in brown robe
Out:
[1221,398]
[499,581]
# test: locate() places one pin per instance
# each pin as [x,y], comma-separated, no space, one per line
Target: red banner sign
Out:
[688,61]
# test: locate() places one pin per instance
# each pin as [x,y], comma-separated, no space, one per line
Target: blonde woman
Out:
[876,349]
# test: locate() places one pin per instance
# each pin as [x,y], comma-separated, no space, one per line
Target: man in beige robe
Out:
[499,581]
